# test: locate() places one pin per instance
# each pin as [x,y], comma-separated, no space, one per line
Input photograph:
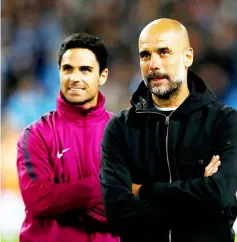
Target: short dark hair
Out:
[86,41]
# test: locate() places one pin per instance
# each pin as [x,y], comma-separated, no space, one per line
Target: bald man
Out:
[160,173]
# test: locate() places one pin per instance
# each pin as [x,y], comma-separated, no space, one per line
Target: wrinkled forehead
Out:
[156,38]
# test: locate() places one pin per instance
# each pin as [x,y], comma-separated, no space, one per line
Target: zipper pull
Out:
[167,120]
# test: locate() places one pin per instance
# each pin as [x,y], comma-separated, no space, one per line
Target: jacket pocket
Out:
[192,162]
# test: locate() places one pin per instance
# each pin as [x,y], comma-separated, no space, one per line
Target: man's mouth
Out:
[158,79]
[76,88]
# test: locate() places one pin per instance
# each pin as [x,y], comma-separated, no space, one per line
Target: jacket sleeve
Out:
[216,191]
[123,210]
[42,197]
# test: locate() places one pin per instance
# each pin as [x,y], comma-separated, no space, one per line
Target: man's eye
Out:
[67,68]
[144,56]
[164,52]
[85,69]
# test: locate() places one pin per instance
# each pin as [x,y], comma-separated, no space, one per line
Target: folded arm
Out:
[215,192]
[42,197]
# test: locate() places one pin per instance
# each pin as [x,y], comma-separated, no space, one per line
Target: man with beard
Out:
[157,182]
[58,159]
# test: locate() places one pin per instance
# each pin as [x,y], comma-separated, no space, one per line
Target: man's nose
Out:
[155,63]
[75,77]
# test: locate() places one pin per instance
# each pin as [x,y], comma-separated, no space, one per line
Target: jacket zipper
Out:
[167,158]
[166,145]
[167,119]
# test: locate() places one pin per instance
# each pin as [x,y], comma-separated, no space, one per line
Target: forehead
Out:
[150,39]
[79,56]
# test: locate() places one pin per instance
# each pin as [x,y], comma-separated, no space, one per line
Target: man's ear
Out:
[103,77]
[188,57]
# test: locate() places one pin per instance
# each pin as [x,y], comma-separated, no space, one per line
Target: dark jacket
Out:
[177,203]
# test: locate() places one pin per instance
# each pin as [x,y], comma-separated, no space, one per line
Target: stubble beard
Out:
[165,92]
[76,102]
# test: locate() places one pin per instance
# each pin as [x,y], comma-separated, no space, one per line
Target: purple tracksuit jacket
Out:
[58,162]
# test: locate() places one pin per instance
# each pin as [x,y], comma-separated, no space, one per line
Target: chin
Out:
[74,100]
[78,101]
[159,90]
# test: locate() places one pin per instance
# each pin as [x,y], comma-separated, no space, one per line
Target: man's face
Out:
[162,63]
[79,76]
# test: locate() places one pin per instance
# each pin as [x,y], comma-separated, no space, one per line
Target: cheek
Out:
[168,64]
[92,83]
[170,67]
[63,81]
[144,68]
[175,63]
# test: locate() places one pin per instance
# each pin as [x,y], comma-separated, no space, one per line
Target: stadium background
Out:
[32,31]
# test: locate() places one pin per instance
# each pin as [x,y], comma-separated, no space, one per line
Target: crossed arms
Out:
[210,193]
[44,198]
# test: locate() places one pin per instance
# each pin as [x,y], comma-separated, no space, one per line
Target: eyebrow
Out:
[84,66]
[166,48]
[66,65]
[143,52]
[89,67]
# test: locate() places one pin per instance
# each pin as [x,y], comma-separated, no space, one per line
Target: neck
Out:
[91,103]
[85,105]
[173,101]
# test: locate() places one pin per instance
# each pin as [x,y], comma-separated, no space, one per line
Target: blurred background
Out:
[33,30]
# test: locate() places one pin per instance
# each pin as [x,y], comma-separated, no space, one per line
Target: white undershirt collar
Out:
[165,109]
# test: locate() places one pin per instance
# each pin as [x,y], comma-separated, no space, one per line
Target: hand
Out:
[135,189]
[212,166]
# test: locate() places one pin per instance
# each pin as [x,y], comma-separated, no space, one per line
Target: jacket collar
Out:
[200,95]
[77,113]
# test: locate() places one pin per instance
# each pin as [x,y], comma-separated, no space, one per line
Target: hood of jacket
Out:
[200,95]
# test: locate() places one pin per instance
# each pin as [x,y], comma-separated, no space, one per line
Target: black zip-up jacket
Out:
[176,202]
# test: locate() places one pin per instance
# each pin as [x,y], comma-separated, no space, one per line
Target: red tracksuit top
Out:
[58,162]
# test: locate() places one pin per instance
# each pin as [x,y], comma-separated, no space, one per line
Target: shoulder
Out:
[220,107]
[109,114]
[122,118]
[43,123]
[226,115]
[40,129]
[221,110]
